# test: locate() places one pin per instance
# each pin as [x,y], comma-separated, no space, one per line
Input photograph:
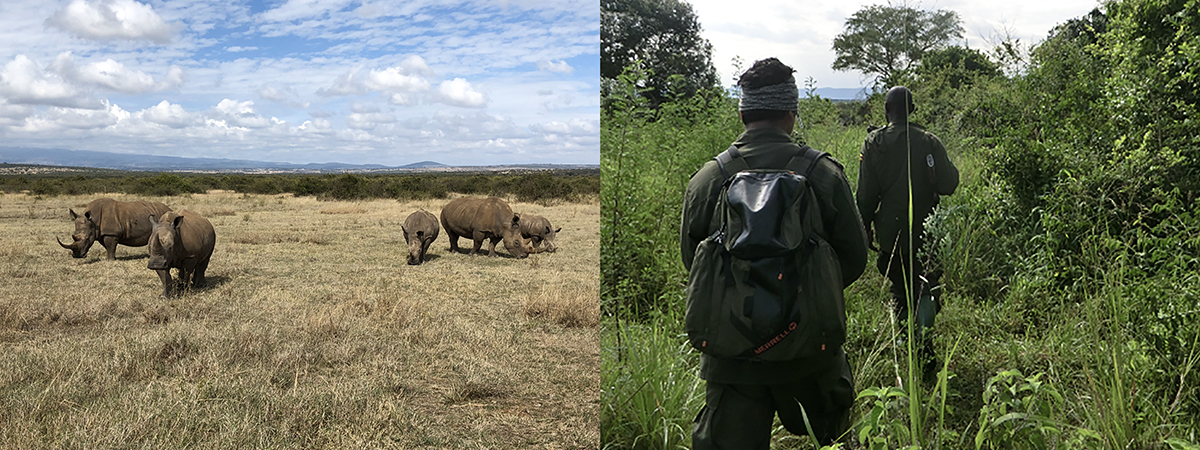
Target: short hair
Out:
[899,100]
[754,115]
[765,72]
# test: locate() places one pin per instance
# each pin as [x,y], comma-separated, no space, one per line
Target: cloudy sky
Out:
[800,33]
[465,82]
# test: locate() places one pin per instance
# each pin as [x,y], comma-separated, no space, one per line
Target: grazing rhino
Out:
[536,230]
[112,222]
[483,218]
[420,230]
[184,241]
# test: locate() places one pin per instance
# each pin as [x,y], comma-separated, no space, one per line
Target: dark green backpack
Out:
[766,286]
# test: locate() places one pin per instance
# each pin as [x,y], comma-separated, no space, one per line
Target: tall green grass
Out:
[1066,322]
[649,374]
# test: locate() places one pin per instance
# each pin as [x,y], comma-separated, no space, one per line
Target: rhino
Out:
[180,240]
[483,218]
[112,222]
[536,230]
[420,230]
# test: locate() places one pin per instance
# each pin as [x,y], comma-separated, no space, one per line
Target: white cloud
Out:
[573,127]
[165,113]
[239,114]
[394,79]
[115,76]
[24,82]
[368,121]
[268,92]
[112,19]
[556,67]
[236,49]
[459,92]
[416,65]
[12,115]
[317,126]
[303,9]
[402,85]
[66,119]
[346,84]
[363,108]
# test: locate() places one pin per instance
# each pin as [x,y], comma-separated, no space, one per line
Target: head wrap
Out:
[775,97]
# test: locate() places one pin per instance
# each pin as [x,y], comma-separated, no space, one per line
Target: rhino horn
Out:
[68,247]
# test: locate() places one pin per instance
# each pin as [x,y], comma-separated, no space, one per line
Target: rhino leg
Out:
[478,237]
[110,246]
[186,270]
[453,241]
[425,248]
[492,246]
[198,277]
[165,276]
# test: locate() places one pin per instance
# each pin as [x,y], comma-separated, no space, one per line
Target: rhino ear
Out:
[73,214]
[420,234]
[153,220]
[559,229]
[516,221]
[178,219]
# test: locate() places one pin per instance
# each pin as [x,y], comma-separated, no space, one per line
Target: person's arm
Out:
[868,190]
[947,174]
[847,235]
[697,212]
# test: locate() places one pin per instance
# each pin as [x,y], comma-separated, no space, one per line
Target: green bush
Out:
[541,186]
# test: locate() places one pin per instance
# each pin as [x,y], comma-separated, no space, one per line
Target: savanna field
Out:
[311,333]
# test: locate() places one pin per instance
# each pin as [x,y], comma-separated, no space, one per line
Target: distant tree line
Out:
[569,185]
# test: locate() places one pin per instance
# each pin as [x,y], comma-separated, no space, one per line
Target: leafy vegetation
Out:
[662,34]
[1071,250]
[890,41]
[533,186]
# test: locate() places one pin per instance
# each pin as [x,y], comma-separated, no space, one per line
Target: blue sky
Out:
[354,81]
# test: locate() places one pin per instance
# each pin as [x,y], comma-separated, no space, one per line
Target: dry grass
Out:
[312,333]
[563,305]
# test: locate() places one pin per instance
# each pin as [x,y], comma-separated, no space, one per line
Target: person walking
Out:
[898,160]
[742,397]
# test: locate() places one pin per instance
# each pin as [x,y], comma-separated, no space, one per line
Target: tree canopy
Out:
[890,41]
[665,36]
[959,64]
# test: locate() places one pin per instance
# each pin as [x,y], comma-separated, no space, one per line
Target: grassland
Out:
[312,333]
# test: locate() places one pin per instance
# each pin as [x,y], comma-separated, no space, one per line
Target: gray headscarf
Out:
[776,97]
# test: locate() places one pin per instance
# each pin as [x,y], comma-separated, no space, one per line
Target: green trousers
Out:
[740,416]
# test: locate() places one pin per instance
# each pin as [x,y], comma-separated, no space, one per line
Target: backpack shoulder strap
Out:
[730,162]
[806,154]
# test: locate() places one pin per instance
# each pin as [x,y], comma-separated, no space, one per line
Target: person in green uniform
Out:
[894,159]
[742,398]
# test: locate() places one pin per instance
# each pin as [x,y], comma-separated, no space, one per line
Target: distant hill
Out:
[119,161]
[424,165]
